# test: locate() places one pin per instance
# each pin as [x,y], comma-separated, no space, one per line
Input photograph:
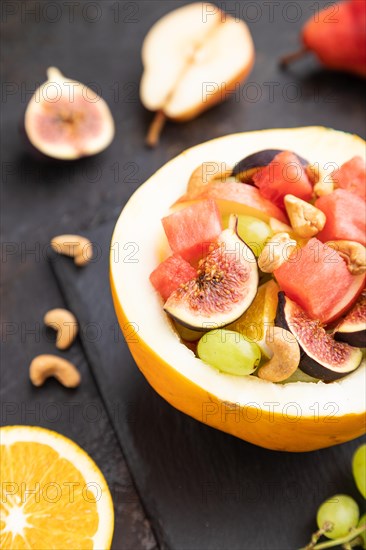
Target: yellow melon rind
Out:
[293,417]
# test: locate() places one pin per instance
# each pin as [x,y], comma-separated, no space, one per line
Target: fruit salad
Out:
[265,274]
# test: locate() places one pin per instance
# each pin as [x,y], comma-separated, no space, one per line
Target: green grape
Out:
[359,469]
[362,523]
[341,512]
[228,351]
[254,232]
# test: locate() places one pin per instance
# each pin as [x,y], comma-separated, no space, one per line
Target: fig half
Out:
[248,166]
[225,286]
[67,120]
[352,329]
[322,357]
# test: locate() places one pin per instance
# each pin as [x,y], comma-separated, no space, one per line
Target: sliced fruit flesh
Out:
[225,286]
[356,318]
[251,163]
[305,278]
[216,61]
[352,329]
[346,219]
[352,177]
[66,120]
[55,497]
[170,274]
[192,46]
[241,198]
[248,166]
[160,78]
[190,231]
[324,357]
[207,172]
[285,174]
[63,121]
[255,322]
[172,369]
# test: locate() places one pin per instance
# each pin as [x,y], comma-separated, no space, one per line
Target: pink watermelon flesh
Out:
[352,177]
[242,194]
[190,231]
[170,274]
[285,174]
[318,280]
[346,217]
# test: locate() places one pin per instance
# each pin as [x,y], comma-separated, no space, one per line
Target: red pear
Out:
[337,36]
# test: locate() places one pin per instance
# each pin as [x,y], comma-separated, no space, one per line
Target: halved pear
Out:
[193,58]
[67,120]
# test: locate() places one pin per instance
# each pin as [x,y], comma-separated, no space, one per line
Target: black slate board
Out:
[202,489]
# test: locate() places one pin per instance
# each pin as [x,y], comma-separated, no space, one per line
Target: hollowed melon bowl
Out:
[299,416]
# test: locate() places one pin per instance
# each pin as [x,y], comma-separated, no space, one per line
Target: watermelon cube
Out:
[318,280]
[170,274]
[346,217]
[352,177]
[284,175]
[190,231]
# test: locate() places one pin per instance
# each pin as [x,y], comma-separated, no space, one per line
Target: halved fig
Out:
[352,329]
[67,120]
[248,166]
[225,286]
[322,357]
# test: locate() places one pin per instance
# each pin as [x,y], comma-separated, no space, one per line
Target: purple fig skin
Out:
[355,339]
[252,163]
[352,329]
[307,364]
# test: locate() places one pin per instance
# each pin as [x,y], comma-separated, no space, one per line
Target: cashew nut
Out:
[275,252]
[278,227]
[306,220]
[79,248]
[323,183]
[286,355]
[65,324]
[44,366]
[354,254]
[207,173]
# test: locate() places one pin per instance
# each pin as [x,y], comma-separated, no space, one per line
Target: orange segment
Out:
[254,323]
[53,496]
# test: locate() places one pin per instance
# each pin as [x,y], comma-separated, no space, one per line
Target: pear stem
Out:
[154,131]
[53,74]
[287,59]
